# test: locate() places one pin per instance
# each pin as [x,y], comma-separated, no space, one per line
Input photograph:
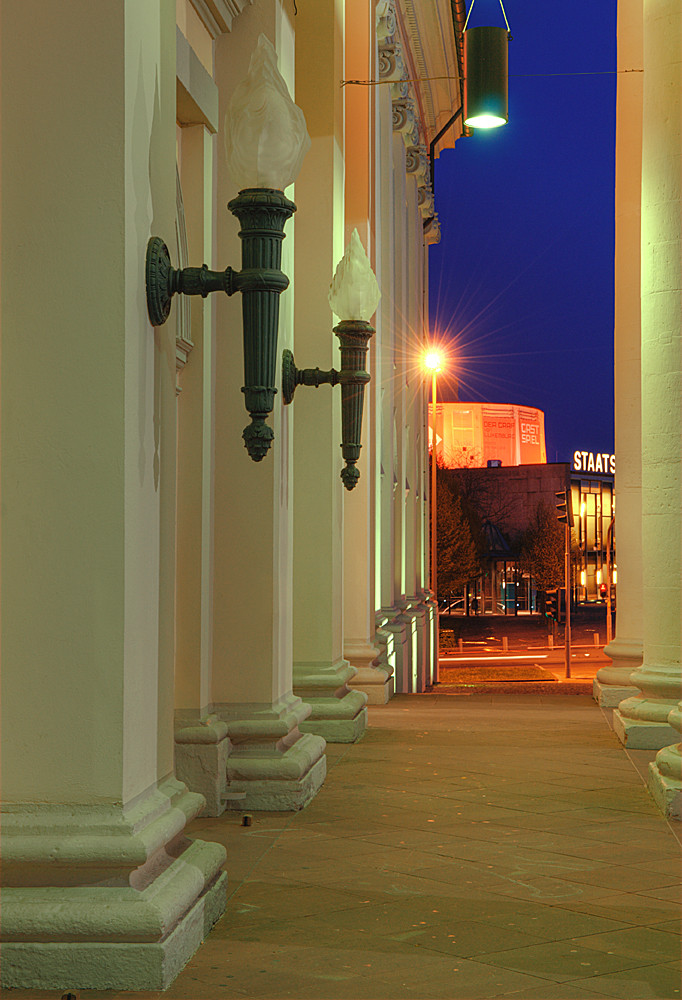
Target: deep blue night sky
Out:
[521,284]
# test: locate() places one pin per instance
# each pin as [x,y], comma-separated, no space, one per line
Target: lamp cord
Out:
[504,14]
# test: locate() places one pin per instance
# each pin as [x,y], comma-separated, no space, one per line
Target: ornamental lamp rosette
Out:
[353,296]
[265,142]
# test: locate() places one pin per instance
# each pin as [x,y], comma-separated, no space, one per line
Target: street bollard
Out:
[505,644]
[460,645]
[596,638]
[550,642]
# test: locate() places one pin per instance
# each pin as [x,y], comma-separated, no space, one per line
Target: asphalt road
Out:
[514,652]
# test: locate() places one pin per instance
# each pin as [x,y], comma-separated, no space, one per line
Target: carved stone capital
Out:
[432,231]
[391,66]
[425,201]
[403,117]
[386,20]
[417,162]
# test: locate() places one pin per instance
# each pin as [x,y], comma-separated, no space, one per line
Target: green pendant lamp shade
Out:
[485,68]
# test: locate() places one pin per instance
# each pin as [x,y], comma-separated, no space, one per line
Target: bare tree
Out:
[458,560]
[483,493]
[542,549]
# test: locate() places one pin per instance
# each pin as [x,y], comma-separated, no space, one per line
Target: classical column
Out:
[271,761]
[642,720]
[390,633]
[321,673]
[420,610]
[401,623]
[101,887]
[362,521]
[612,683]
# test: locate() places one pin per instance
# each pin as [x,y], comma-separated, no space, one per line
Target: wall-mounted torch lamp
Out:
[354,296]
[265,142]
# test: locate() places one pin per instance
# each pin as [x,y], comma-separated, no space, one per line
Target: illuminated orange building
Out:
[475,434]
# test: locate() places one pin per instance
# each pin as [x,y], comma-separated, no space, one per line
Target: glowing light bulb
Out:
[433,362]
[485,121]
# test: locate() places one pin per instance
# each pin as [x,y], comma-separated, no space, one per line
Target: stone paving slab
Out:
[468,847]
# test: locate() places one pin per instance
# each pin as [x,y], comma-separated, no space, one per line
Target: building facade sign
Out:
[590,461]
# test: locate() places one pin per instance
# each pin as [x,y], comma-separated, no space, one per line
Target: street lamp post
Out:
[433,363]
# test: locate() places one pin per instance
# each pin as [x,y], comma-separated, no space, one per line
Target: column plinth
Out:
[419,612]
[665,773]
[337,713]
[395,623]
[202,747]
[374,674]
[641,722]
[101,897]
[612,683]
[272,764]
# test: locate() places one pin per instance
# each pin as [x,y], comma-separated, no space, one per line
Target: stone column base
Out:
[420,615]
[374,675]
[666,791]
[642,722]
[350,724]
[106,898]
[272,765]
[394,622]
[431,605]
[642,734]
[201,751]
[665,773]
[607,693]
[337,714]
[612,683]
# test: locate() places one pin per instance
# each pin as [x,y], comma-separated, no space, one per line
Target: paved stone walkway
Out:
[468,847]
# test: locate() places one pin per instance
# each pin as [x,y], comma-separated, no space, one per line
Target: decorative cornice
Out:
[418,52]
[405,110]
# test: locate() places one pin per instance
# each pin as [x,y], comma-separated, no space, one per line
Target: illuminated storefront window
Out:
[593,507]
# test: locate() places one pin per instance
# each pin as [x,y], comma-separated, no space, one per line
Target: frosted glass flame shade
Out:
[354,292]
[265,132]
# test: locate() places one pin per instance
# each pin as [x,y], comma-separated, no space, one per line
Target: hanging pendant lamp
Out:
[486,75]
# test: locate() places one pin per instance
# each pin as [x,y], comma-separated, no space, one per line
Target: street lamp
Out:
[433,362]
